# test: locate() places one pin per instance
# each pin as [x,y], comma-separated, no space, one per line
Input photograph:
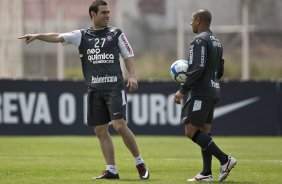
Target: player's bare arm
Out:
[132,83]
[177,97]
[47,37]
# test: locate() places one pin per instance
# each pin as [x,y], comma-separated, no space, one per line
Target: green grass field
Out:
[170,159]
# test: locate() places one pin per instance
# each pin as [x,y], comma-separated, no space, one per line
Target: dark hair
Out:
[204,15]
[95,6]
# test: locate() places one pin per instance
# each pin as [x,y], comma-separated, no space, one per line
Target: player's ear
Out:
[93,14]
[198,20]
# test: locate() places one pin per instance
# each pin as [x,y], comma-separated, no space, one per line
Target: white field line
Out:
[240,160]
[165,159]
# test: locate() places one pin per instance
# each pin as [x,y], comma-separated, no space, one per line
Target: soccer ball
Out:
[178,70]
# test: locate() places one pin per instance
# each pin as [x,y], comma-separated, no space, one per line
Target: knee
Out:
[190,131]
[119,127]
[100,132]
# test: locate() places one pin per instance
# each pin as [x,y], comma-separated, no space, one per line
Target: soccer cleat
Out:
[143,171]
[200,177]
[107,175]
[226,168]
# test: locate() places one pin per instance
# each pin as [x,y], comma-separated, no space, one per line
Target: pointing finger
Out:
[22,37]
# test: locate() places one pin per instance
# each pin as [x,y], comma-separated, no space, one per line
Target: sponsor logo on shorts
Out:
[116,113]
[215,84]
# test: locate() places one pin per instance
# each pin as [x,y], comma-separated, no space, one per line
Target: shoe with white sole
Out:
[143,171]
[226,168]
[107,175]
[200,177]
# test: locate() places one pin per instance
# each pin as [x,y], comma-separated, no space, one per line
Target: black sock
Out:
[206,142]
[207,161]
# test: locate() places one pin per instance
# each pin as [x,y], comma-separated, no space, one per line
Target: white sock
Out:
[139,160]
[112,169]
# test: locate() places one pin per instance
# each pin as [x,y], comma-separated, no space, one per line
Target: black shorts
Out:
[104,106]
[198,111]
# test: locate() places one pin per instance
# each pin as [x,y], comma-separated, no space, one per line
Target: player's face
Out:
[194,23]
[101,19]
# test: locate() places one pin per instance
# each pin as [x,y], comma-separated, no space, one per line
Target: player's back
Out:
[208,84]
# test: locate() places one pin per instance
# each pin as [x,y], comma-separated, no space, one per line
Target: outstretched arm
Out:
[47,37]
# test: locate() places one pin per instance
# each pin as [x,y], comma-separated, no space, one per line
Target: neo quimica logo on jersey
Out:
[95,57]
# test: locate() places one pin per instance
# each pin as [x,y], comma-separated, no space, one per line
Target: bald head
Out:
[204,15]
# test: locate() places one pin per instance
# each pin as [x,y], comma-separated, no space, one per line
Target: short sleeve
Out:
[125,48]
[73,37]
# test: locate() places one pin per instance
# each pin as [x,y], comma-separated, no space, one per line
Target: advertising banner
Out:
[59,108]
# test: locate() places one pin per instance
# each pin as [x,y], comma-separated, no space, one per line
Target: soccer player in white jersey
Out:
[99,49]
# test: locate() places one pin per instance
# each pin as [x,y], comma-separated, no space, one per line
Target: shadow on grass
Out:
[155,180]
[138,180]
